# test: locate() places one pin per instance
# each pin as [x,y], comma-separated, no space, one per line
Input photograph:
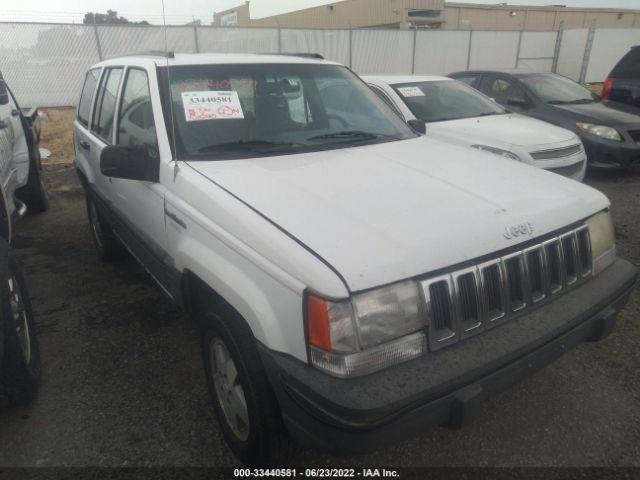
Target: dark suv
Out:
[623,83]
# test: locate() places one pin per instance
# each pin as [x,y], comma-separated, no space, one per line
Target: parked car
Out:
[20,176]
[347,273]
[610,131]
[623,83]
[457,113]
[20,167]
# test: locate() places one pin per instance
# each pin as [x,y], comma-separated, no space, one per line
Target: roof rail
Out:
[150,53]
[317,56]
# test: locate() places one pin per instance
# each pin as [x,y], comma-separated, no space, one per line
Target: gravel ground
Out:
[123,383]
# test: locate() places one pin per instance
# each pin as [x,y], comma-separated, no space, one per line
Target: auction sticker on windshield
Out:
[211,105]
[411,92]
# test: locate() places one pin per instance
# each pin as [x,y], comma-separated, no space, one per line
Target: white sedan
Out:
[460,114]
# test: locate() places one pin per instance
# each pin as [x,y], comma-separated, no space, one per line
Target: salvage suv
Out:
[355,282]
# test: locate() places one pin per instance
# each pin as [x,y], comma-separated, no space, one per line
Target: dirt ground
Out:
[123,383]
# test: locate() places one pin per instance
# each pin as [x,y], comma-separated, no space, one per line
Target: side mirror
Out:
[419,126]
[130,163]
[517,100]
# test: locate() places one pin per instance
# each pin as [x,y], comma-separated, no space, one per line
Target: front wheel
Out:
[242,397]
[20,362]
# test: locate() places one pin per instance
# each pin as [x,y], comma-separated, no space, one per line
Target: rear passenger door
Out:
[81,126]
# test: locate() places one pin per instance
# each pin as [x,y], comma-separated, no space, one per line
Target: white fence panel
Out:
[45,64]
[537,50]
[382,51]
[609,45]
[440,52]
[572,52]
[494,49]
[331,44]
[122,40]
[237,40]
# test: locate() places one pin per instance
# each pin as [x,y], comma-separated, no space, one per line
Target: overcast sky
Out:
[182,11]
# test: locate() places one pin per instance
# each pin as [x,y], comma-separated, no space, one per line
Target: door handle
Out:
[84,144]
[15,112]
[2,125]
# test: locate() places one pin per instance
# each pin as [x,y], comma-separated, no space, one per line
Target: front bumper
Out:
[609,154]
[446,387]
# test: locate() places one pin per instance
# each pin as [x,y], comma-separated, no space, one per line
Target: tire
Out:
[107,244]
[20,363]
[34,193]
[256,436]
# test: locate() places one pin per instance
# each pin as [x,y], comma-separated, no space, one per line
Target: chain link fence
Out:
[45,63]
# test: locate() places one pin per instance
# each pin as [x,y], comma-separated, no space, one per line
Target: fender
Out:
[272,310]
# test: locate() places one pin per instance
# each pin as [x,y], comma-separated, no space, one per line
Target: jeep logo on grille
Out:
[518,230]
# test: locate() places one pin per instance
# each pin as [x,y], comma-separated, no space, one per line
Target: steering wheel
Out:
[333,116]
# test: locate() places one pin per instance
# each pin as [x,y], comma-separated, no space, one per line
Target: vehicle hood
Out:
[501,131]
[606,112]
[385,212]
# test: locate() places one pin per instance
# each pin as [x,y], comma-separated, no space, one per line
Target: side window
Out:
[385,98]
[471,80]
[501,89]
[136,125]
[104,111]
[90,82]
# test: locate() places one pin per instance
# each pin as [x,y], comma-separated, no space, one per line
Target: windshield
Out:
[556,89]
[227,111]
[445,100]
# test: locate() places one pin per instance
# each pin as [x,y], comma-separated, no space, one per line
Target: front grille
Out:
[569,171]
[467,301]
[635,135]
[556,152]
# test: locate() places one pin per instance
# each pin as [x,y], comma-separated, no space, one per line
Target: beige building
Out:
[432,14]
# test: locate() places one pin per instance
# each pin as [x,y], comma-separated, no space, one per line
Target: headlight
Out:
[374,330]
[497,151]
[603,241]
[600,131]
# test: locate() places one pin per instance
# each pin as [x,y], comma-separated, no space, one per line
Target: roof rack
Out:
[317,56]
[150,53]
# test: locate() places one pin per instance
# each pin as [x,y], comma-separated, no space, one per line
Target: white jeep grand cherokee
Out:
[353,287]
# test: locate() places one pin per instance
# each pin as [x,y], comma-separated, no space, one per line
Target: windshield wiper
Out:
[578,101]
[350,135]
[245,144]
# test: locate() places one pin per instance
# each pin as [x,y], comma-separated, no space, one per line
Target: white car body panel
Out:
[342,199]
[515,133]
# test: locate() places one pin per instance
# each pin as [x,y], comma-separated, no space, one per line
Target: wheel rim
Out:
[20,319]
[96,229]
[229,391]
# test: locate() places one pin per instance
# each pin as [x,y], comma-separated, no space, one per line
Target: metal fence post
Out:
[587,51]
[350,47]
[469,49]
[279,39]
[413,58]
[95,32]
[519,46]
[195,38]
[556,51]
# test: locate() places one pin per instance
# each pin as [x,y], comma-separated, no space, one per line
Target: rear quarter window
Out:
[86,99]
[629,66]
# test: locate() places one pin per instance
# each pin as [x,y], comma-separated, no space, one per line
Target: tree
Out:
[110,18]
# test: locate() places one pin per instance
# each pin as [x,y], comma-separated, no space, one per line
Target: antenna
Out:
[176,169]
